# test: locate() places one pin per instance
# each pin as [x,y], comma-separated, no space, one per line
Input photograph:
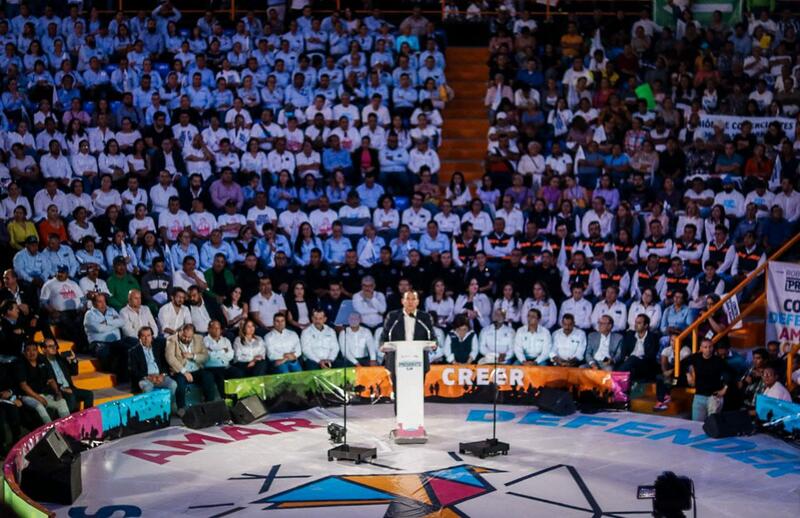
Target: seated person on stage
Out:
[64,367]
[149,369]
[461,344]
[104,331]
[532,343]
[220,355]
[569,344]
[38,386]
[186,355]
[250,353]
[603,347]
[772,387]
[357,343]
[283,347]
[318,342]
[499,338]
[639,350]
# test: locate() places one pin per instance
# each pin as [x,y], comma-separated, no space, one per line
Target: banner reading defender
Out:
[783,302]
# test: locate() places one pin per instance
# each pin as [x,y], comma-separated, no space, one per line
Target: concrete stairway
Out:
[465,119]
[643,398]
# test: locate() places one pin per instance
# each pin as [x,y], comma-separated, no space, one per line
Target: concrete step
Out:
[473,87]
[457,114]
[94,381]
[467,72]
[110,394]
[467,55]
[472,170]
[750,335]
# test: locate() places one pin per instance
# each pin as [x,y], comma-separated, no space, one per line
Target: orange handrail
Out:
[692,329]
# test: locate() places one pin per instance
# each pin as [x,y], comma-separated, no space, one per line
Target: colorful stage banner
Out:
[517,384]
[783,302]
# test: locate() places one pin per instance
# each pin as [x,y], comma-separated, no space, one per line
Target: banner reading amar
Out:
[783,302]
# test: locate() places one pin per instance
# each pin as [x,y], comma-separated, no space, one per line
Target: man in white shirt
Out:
[265,305]
[55,165]
[357,343]
[173,221]
[198,310]
[283,347]
[92,284]
[496,342]
[532,343]
[50,195]
[173,316]
[322,218]
[319,343]
[162,192]
[599,214]
[370,304]
[513,217]
[290,220]
[789,200]
[612,307]
[578,307]
[421,156]
[416,216]
[569,344]
[136,316]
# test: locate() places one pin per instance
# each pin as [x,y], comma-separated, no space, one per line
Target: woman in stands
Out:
[52,224]
[20,228]
[149,250]
[510,304]
[111,161]
[458,193]
[250,353]
[568,216]
[487,193]
[474,306]
[625,249]
[480,219]
[386,218]
[647,305]
[282,191]
[306,241]
[299,303]
[542,301]
[140,224]
[440,304]
[105,196]
[235,311]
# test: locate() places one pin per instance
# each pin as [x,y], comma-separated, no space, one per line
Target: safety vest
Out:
[499,241]
[717,253]
[749,261]
[466,251]
[656,244]
[610,279]
[532,248]
[691,247]
[676,283]
[579,276]
[556,245]
[647,279]
[622,251]
[595,246]
[706,287]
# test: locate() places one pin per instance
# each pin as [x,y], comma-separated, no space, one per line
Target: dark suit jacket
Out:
[159,162]
[650,345]
[69,369]
[394,329]
[138,364]
[186,198]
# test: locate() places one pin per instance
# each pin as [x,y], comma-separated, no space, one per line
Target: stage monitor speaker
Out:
[57,482]
[51,449]
[728,424]
[248,410]
[554,401]
[206,414]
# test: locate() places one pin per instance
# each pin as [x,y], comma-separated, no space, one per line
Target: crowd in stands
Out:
[190,201]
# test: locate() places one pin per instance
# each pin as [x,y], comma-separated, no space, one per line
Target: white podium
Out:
[409,389]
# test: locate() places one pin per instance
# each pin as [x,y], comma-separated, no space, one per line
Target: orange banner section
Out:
[516,383]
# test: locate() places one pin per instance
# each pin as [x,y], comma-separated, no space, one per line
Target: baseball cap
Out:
[30,240]
[63,268]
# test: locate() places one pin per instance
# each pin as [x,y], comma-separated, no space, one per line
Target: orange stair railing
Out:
[692,332]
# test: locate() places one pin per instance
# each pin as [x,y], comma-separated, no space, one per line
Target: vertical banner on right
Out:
[783,302]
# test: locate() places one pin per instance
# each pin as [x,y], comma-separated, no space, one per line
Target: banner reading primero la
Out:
[783,302]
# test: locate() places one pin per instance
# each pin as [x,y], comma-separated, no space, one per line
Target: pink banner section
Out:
[620,385]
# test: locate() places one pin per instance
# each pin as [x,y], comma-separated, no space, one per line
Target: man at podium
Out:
[407,324]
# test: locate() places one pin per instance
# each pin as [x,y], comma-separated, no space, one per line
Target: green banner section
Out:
[18,504]
[703,11]
[293,391]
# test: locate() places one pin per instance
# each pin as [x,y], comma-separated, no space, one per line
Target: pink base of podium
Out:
[409,436]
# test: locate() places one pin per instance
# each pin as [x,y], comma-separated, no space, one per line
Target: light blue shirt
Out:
[334,250]
[103,327]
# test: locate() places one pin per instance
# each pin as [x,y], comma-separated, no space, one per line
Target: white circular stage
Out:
[580,465]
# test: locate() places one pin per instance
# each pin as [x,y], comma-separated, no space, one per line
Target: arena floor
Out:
[581,465]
